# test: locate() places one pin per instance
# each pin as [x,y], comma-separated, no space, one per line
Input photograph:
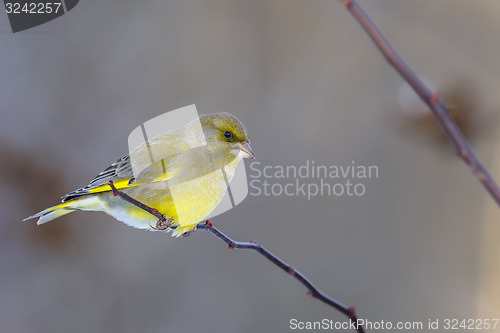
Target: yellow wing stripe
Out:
[119,184]
[122,183]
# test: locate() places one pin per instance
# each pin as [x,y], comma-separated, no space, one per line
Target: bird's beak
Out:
[245,150]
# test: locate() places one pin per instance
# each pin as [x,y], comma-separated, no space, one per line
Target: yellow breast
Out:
[186,203]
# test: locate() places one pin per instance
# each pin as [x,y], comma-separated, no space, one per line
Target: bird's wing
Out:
[150,162]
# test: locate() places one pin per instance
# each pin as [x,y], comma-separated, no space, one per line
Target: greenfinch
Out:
[184,174]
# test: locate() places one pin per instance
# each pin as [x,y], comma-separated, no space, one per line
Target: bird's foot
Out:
[164,224]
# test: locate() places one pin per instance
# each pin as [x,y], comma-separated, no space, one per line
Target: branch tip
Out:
[113,188]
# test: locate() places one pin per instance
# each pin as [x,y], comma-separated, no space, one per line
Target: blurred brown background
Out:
[309,85]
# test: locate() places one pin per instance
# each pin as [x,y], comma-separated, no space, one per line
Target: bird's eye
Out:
[228,135]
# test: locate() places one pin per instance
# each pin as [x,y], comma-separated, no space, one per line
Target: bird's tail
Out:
[49,214]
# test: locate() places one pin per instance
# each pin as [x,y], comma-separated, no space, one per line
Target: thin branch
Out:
[137,203]
[313,290]
[438,108]
[350,312]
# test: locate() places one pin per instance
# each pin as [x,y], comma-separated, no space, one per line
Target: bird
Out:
[183,174]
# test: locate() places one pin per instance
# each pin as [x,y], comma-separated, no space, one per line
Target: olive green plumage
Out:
[181,173]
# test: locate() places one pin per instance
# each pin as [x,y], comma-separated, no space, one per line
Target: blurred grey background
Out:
[307,82]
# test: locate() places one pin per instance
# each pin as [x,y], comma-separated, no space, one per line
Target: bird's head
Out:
[226,135]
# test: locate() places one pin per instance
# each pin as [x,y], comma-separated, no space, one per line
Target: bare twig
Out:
[137,203]
[437,107]
[313,290]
